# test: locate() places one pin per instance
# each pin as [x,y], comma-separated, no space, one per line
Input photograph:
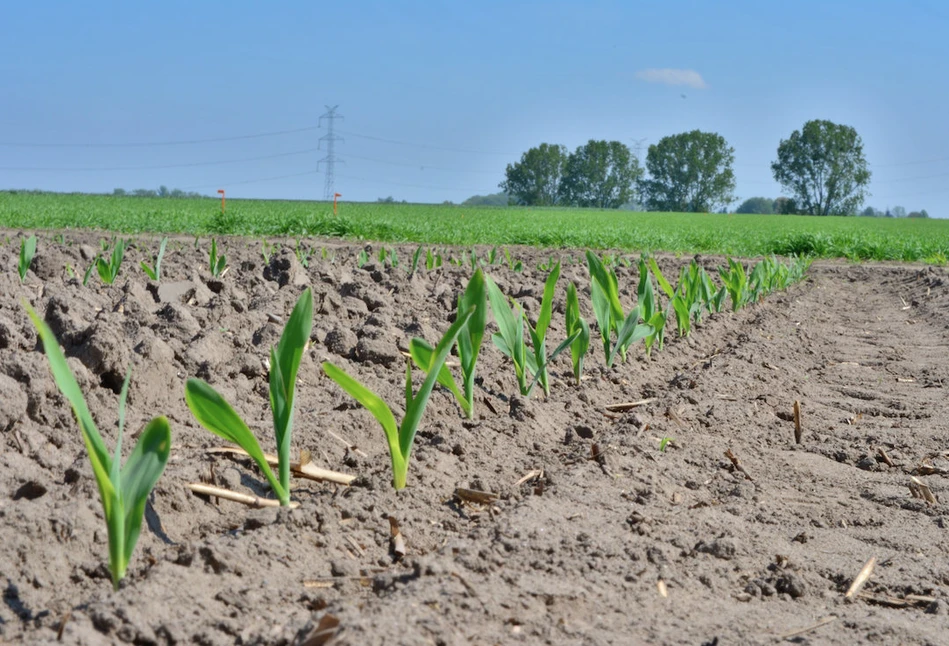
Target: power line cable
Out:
[145,144]
[249,181]
[429,146]
[162,167]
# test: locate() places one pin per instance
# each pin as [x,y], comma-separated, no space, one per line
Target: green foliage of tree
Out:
[535,179]
[600,174]
[493,199]
[762,205]
[823,167]
[690,171]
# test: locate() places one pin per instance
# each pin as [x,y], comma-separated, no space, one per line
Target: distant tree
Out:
[599,174]
[494,199]
[762,205]
[535,180]
[870,212]
[691,171]
[386,200]
[144,192]
[119,192]
[783,205]
[163,191]
[176,193]
[898,212]
[823,167]
[888,213]
[914,214]
[923,213]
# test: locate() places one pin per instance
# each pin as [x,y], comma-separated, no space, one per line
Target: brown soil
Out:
[636,545]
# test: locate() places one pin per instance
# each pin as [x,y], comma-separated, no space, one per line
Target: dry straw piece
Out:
[301,469]
[245,499]
[861,578]
[797,422]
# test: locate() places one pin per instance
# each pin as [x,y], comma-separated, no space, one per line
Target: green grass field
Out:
[739,235]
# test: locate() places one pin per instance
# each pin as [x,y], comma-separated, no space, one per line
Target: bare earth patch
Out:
[596,536]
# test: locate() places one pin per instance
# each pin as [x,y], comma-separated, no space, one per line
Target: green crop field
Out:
[741,235]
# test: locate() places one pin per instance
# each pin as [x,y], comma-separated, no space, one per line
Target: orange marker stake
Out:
[221,191]
[335,197]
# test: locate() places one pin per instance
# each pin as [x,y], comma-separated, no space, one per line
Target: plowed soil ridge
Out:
[597,536]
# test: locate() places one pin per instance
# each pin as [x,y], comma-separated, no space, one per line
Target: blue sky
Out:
[439,96]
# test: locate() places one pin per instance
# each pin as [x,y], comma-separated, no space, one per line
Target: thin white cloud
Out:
[668,76]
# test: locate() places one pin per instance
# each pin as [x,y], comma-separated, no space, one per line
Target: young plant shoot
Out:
[215,414]
[649,310]
[217,263]
[401,437]
[154,272]
[604,292]
[27,251]
[469,344]
[529,368]
[578,328]
[124,490]
[109,269]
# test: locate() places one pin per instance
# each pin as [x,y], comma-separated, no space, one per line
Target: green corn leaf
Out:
[471,337]
[140,475]
[546,303]
[284,364]
[631,332]
[152,275]
[576,324]
[378,408]
[416,405]
[27,251]
[423,355]
[607,280]
[541,368]
[214,413]
[663,283]
[67,385]
[602,313]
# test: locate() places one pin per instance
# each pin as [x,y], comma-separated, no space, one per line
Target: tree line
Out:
[821,166]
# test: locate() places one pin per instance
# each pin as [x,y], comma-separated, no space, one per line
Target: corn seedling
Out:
[683,300]
[529,368]
[124,490]
[266,250]
[416,256]
[578,328]
[154,272]
[469,340]
[362,258]
[303,254]
[401,437]
[433,260]
[27,251]
[649,310]
[512,264]
[216,263]
[109,269]
[735,281]
[610,319]
[215,414]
